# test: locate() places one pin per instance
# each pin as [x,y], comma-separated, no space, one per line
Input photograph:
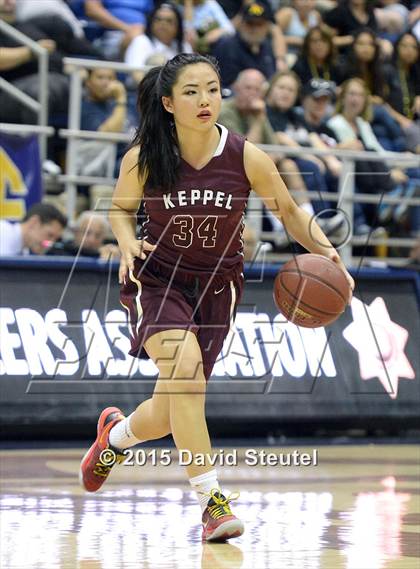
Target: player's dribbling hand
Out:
[337,259]
[129,251]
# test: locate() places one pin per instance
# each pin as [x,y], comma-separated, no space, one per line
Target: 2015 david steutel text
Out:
[250,457]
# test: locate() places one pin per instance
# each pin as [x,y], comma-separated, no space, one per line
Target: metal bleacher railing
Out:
[344,198]
[40,107]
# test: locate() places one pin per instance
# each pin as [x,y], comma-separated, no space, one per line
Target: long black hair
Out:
[410,33]
[375,78]
[159,155]
[179,38]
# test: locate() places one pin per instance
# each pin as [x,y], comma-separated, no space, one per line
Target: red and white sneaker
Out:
[101,457]
[219,524]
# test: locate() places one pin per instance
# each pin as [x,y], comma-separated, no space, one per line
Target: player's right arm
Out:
[122,215]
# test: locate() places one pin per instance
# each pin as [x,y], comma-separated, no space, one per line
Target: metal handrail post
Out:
[40,106]
[345,203]
[254,213]
[74,124]
[43,99]
[20,95]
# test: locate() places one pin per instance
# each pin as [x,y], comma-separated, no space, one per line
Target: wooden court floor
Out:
[359,508]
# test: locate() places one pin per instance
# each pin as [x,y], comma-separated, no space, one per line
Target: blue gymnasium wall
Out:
[64,343]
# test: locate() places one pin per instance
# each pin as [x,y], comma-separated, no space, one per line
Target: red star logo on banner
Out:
[380,343]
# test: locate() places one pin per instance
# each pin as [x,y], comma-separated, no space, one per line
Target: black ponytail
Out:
[159,156]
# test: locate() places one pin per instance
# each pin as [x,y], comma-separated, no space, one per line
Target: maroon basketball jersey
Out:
[198,224]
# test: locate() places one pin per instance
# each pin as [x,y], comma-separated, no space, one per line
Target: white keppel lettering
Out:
[195,196]
[182,199]
[218,200]
[167,201]
[229,200]
[208,195]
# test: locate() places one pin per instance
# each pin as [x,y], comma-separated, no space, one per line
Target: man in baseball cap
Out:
[250,47]
[256,11]
[318,88]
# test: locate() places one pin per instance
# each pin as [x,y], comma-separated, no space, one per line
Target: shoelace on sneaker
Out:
[221,504]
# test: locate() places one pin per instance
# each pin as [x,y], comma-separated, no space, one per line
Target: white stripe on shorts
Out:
[232,303]
[138,295]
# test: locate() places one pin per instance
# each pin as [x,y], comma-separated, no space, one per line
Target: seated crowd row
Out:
[350,38]
[300,75]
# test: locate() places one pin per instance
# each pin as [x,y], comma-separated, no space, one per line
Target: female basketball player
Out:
[182,281]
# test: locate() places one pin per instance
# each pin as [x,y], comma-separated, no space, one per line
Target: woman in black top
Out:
[318,57]
[403,81]
[364,61]
[348,17]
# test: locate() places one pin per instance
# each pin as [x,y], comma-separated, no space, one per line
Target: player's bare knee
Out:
[188,378]
[188,369]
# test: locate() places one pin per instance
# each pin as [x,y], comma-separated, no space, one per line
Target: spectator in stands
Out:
[281,98]
[414,21]
[164,35]
[317,96]
[364,60]
[403,80]
[28,9]
[53,27]
[246,114]
[353,130]
[291,130]
[232,8]
[90,233]
[285,118]
[249,48]
[295,21]
[104,106]
[42,223]
[19,66]
[205,23]
[392,17]
[348,17]
[317,58]
[104,102]
[122,21]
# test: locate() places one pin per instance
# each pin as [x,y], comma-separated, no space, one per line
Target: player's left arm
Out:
[268,185]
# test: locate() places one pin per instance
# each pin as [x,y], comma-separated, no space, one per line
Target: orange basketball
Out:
[311,291]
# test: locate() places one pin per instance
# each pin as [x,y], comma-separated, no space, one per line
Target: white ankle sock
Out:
[203,484]
[121,436]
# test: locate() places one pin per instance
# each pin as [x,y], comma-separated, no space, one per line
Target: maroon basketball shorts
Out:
[157,299]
